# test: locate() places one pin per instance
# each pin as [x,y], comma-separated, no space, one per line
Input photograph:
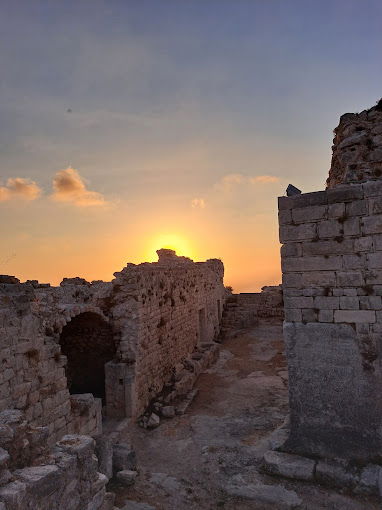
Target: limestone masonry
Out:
[73,353]
[332,284]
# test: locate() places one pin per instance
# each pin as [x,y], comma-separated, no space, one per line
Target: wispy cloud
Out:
[198,203]
[69,186]
[264,179]
[19,188]
[230,181]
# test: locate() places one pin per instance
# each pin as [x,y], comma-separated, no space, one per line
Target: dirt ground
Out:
[207,458]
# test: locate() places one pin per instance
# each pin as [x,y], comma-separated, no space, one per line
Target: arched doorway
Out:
[87,341]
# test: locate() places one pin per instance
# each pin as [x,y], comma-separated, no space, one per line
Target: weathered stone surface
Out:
[268,494]
[326,422]
[153,421]
[289,466]
[126,477]
[168,411]
[135,505]
[124,457]
[357,152]
[336,475]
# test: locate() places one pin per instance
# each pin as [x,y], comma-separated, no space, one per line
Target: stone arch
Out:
[88,343]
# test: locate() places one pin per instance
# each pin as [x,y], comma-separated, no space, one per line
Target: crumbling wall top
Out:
[357,147]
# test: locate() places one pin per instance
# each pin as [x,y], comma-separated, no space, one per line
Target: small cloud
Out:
[264,179]
[231,181]
[68,186]
[198,203]
[18,187]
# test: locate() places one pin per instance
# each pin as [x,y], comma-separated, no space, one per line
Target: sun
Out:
[172,241]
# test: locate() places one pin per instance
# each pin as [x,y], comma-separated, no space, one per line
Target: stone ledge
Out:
[365,480]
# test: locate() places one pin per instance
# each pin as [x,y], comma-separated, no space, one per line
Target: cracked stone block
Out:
[288,466]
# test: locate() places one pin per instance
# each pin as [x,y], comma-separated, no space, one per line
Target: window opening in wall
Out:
[219,309]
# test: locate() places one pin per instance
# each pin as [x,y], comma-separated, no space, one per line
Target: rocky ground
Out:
[210,457]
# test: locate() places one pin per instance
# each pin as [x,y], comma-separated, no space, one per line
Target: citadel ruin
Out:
[86,364]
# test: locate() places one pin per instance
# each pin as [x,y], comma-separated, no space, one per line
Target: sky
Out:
[131,125]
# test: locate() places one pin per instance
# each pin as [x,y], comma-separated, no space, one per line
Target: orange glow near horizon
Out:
[172,241]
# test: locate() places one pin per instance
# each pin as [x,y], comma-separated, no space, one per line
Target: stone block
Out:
[350,279]
[318,279]
[354,316]
[126,477]
[372,225]
[306,214]
[303,200]
[285,216]
[309,315]
[291,250]
[325,315]
[349,303]
[372,188]
[293,315]
[377,240]
[297,232]
[292,280]
[357,208]
[370,302]
[351,227]
[354,261]
[332,247]
[345,194]
[336,475]
[334,351]
[375,205]
[314,263]
[298,302]
[375,260]
[329,229]
[327,302]
[363,244]
[336,210]
[288,466]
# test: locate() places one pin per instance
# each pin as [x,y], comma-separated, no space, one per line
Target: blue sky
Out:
[167,98]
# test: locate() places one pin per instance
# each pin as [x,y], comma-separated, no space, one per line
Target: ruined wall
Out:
[179,305]
[357,147]
[131,333]
[33,368]
[32,478]
[332,282]
[267,304]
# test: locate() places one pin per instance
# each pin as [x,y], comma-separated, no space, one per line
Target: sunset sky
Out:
[131,125]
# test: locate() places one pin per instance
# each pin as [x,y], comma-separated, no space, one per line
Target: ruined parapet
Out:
[357,148]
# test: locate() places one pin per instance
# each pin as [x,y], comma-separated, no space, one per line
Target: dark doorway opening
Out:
[202,325]
[87,341]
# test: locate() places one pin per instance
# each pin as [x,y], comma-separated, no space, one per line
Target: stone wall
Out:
[267,304]
[33,369]
[66,477]
[179,305]
[357,147]
[132,333]
[332,282]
